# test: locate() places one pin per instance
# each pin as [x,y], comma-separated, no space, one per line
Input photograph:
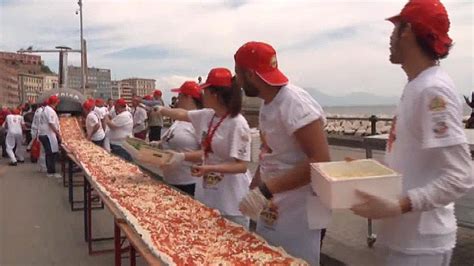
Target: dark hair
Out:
[197,102]
[426,43]
[230,97]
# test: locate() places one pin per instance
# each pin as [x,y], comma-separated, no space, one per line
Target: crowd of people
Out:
[209,142]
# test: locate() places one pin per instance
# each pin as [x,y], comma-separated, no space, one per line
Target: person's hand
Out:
[176,159]
[200,170]
[155,144]
[375,207]
[253,204]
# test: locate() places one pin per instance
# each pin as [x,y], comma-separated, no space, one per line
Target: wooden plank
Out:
[138,244]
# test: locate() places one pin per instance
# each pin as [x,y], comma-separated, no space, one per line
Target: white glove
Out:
[375,207]
[176,159]
[155,144]
[253,204]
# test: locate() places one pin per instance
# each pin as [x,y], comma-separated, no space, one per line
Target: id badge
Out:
[269,215]
[211,180]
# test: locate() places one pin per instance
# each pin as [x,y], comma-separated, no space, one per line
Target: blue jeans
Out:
[120,152]
[50,156]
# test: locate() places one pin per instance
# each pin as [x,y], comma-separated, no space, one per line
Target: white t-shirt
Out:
[124,122]
[290,110]
[428,117]
[180,137]
[139,118]
[14,123]
[36,121]
[101,112]
[92,119]
[48,116]
[231,141]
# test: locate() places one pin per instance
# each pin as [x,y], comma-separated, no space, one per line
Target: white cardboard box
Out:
[335,182]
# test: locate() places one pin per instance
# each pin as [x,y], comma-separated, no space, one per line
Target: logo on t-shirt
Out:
[437,104]
[440,129]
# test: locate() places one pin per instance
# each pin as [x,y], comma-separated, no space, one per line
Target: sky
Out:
[334,46]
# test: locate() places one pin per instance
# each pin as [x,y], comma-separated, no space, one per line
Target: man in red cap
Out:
[427,145]
[121,127]
[291,126]
[49,135]
[155,120]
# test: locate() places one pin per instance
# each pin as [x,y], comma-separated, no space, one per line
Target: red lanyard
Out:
[210,134]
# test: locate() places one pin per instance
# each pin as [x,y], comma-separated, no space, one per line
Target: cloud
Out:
[336,46]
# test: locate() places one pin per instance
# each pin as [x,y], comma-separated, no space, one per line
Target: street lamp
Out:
[83,81]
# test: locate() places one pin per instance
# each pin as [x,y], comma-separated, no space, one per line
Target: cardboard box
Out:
[144,153]
[335,182]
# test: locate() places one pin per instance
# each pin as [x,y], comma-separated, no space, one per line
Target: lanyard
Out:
[210,134]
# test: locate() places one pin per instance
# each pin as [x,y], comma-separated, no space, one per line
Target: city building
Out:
[115,89]
[30,87]
[11,64]
[9,95]
[23,59]
[50,82]
[140,86]
[98,83]
[126,91]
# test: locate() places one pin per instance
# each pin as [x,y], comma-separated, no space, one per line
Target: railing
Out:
[373,119]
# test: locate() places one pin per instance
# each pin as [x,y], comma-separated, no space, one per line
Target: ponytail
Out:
[230,97]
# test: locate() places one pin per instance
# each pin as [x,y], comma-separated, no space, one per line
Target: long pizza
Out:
[176,228]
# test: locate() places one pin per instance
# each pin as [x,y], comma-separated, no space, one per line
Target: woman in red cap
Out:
[427,145]
[225,145]
[181,137]
[15,125]
[49,135]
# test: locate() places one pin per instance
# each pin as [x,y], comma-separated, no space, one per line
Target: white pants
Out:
[42,160]
[11,141]
[395,258]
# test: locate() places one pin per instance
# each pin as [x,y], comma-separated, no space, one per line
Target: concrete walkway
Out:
[37,226]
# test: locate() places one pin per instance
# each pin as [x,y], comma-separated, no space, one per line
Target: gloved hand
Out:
[175,160]
[253,204]
[375,207]
[155,144]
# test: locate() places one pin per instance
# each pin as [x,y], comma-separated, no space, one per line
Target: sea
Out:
[366,111]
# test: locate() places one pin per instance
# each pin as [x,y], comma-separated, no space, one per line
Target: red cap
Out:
[190,88]
[88,105]
[53,99]
[148,97]
[429,20]
[218,77]
[16,111]
[261,58]
[157,93]
[99,101]
[121,102]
